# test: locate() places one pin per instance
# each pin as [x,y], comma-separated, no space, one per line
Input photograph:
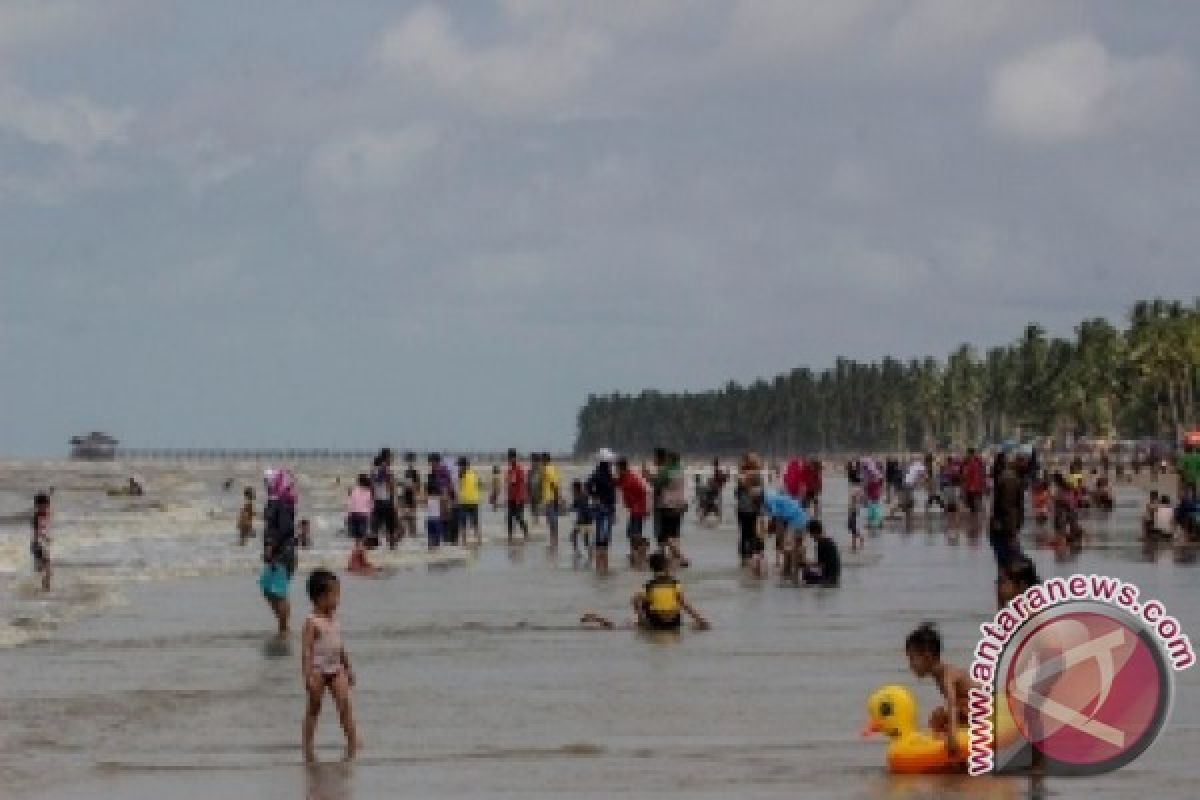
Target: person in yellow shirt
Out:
[468,500]
[551,497]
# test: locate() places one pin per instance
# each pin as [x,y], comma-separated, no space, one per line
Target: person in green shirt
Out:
[1189,468]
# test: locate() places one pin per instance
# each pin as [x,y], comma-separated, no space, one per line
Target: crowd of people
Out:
[384,504]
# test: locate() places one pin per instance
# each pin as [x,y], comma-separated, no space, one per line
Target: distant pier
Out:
[292,455]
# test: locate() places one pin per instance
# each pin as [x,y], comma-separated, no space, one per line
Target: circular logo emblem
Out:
[1089,689]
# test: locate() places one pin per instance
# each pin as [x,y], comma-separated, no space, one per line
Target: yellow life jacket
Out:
[662,597]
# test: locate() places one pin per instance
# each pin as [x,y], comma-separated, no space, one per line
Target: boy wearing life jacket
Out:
[659,605]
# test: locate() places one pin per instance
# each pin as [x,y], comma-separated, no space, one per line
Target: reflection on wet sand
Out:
[329,781]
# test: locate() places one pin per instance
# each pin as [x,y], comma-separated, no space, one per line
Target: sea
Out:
[152,669]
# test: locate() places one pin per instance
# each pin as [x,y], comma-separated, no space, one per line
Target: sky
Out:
[312,223]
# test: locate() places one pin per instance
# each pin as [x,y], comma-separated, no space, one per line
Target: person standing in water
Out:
[468,501]
[279,543]
[39,541]
[634,495]
[383,488]
[1008,510]
[245,523]
[748,496]
[358,519]
[494,489]
[551,498]
[974,482]
[516,495]
[671,488]
[602,490]
[410,496]
[324,663]
[534,493]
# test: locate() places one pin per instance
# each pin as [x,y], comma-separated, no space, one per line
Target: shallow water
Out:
[474,679]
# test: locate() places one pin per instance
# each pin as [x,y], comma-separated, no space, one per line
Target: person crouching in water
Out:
[826,570]
[924,649]
[659,606]
[788,518]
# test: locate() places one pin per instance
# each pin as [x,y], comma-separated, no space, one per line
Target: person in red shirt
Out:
[514,479]
[793,479]
[810,477]
[635,496]
[974,482]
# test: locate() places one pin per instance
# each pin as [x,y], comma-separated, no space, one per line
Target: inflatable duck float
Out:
[892,710]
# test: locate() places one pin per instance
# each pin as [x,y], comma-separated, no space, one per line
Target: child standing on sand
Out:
[39,542]
[245,523]
[324,663]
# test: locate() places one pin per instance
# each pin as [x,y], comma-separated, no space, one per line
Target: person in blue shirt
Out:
[788,520]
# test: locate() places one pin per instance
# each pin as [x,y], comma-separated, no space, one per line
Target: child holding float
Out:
[924,649]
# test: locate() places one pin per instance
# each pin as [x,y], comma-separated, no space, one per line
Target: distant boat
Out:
[95,446]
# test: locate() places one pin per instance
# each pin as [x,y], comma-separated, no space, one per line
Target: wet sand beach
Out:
[476,681]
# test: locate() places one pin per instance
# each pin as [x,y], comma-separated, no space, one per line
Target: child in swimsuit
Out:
[324,663]
[924,650]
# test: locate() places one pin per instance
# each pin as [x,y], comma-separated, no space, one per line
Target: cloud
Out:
[27,24]
[204,162]
[543,66]
[1075,88]
[954,25]
[366,161]
[73,122]
[769,29]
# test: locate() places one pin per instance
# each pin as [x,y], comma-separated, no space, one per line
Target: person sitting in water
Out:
[924,649]
[827,569]
[659,606]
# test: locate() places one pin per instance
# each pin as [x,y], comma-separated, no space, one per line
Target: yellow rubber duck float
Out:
[892,710]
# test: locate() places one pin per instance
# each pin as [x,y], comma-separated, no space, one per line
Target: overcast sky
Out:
[345,223]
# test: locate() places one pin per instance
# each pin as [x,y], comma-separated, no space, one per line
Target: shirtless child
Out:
[924,649]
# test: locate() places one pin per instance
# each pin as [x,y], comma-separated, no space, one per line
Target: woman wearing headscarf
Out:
[279,543]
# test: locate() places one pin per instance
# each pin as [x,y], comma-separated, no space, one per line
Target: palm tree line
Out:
[1139,382]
